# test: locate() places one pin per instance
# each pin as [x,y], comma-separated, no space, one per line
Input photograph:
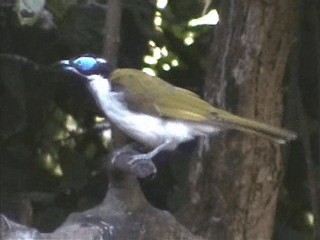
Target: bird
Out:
[155,113]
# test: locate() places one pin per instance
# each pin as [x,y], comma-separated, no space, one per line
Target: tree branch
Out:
[113,22]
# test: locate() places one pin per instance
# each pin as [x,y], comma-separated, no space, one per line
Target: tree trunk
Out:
[234,189]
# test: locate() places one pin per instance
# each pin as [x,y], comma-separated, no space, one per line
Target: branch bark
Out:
[113,23]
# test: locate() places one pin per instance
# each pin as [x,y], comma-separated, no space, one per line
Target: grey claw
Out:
[142,167]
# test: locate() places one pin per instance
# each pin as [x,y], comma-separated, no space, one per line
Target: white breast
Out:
[149,130]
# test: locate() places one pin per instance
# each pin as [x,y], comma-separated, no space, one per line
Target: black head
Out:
[86,65]
[71,89]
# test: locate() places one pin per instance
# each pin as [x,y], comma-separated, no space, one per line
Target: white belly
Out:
[150,130]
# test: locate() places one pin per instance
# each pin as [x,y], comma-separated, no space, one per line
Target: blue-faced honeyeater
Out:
[156,113]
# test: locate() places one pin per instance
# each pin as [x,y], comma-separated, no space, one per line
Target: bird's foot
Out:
[142,164]
[131,160]
[140,157]
[142,167]
[148,156]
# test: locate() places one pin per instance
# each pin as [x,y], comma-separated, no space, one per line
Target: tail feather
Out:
[276,134]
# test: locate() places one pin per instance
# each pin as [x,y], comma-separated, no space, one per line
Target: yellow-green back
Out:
[152,95]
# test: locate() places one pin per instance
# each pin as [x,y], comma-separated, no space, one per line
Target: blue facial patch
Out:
[85,64]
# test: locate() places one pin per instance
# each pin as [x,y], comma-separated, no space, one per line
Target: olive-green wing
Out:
[157,97]
[154,96]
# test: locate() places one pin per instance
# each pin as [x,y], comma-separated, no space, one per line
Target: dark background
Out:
[52,164]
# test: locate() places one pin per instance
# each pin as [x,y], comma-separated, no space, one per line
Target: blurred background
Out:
[53,152]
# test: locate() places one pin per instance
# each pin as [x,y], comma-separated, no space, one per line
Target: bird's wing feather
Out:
[159,98]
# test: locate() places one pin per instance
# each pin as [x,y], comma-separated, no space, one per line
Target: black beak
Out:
[62,65]
[65,66]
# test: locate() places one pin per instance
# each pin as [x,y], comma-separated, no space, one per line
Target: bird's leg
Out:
[123,156]
[126,148]
[148,156]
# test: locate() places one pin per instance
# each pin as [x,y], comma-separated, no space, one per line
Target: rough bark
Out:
[234,189]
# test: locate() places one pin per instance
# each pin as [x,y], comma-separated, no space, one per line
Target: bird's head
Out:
[86,65]
[73,76]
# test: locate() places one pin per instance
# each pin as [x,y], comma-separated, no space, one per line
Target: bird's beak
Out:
[64,65]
